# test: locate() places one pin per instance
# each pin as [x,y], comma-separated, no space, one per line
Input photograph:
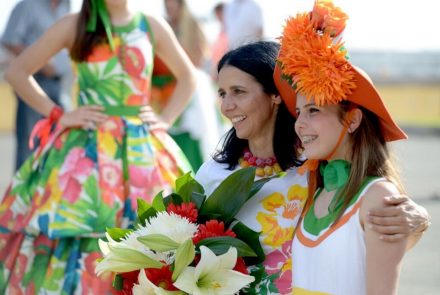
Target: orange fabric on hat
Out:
[313,60]
[365,95]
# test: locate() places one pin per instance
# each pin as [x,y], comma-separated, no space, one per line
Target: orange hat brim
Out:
[365,95]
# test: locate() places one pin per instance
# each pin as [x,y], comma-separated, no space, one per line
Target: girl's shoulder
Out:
[377,190]
[374,195]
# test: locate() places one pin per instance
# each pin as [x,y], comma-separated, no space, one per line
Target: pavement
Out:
[419,160]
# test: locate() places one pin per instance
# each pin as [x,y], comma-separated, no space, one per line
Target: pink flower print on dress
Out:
[110,182]
[90,283]
[75,170]
[144,183]
[281,260]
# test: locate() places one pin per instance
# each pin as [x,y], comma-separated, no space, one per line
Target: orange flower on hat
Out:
[328,18]
[314,63]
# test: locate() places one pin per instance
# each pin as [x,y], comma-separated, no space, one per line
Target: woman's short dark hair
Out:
[258,60]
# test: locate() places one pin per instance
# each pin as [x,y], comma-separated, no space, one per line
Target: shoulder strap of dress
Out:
[149,31]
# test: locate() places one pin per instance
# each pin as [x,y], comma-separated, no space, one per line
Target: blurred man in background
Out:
[28,21]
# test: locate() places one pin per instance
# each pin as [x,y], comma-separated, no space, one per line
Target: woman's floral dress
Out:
[65,196]
[274,212]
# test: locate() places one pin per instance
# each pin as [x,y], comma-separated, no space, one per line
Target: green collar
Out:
[335,174]
[98,9]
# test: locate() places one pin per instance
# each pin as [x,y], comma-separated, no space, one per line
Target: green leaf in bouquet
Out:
[184,256]
[251,238]
[158,242]
[228,198]
[198,199]
[257,185]
[142,206]
[173,198]
[186,185]
[158,202]
[151,212]
[118,282]
[220,245]
[118,233]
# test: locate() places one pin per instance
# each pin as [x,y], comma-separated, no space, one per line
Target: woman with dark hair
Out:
[94,162]
[263,135]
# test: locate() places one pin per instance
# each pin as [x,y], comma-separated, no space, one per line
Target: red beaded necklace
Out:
[265,166]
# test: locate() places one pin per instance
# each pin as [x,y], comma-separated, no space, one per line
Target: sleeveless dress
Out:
[331,260]
[274,211]
[65,196]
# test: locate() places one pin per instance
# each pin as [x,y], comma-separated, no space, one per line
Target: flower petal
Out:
[187,281]
[229,259]
[208,263]
[230,281]
[144,287]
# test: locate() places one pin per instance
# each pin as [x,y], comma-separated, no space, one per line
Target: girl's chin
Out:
[310,155]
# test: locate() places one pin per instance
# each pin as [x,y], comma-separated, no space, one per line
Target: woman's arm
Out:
[400,217]
[169,50]
[35,57]
[19,74]
[383,259]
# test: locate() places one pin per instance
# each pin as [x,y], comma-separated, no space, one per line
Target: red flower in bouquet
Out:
[161,277]
[187,210]
[129,279]
[240,266]
[212,228]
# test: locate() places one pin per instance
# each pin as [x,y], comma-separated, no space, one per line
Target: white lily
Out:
[213,275]
[125,256]
[146,287]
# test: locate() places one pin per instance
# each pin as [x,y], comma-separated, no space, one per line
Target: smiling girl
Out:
[344,128]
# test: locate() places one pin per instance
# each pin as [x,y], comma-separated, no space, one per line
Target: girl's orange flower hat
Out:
[313,62]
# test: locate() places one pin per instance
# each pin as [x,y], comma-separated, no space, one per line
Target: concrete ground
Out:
[420,163]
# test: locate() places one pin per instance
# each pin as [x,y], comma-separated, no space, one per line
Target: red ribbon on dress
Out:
[43,127]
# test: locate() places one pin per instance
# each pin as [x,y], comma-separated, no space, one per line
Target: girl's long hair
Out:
[370,156]
[86,41]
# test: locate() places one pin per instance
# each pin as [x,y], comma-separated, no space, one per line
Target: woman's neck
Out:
[261,148]
[120,15]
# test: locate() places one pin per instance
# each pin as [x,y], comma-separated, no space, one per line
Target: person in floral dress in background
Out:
[94,162]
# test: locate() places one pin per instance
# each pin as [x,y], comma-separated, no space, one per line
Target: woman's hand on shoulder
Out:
[373,199]
[398,218]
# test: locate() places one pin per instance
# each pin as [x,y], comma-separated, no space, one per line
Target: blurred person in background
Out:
[221,44]
[197,130]
[28,21]
[100,158]
[244,22]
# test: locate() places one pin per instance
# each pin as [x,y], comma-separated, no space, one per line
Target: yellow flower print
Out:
[279,219]
[45,202]
[107,143]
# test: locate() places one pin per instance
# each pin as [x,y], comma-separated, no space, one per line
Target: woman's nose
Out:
[228,104]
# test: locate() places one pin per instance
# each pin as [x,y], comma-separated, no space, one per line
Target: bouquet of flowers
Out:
[186,242]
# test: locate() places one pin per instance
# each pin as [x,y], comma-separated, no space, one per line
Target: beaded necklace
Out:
[265,166]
